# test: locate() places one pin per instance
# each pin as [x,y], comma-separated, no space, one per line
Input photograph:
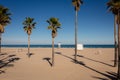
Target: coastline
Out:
[56,46]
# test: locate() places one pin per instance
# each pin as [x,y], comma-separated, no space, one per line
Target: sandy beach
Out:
[93,64]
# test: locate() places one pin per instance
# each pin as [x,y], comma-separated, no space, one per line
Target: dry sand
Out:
[93,64]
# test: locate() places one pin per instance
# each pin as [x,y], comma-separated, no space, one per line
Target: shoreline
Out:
[57,47]
[62,46]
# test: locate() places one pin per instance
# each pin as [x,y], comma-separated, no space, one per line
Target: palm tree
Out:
[77,4]
[54,24]
[115,12]
[4,20]
[114,6]
[118,22]
[28,26]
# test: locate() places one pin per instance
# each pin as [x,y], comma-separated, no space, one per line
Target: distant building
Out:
[59,45]
[79,46]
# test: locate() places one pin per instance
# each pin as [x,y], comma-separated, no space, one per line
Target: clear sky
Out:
[95,22]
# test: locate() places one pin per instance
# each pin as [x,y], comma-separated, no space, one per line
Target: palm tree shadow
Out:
[95,60]
[9,56]
[112,73]
[113,78]
[58,53]
[109,75]
[7,62]
[29,55]
[2,71]
[100,78]
[48,60]
[3,54]
[84,65]
[64,55]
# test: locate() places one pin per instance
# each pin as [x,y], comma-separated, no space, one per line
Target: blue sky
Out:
[95,22]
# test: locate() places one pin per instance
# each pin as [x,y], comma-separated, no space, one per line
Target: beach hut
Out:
[59,45]
[79,46]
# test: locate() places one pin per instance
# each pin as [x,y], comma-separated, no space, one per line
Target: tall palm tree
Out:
[4,20]
[115,5]
[77,4]
[54,24]
[114,10]
[29,25]
[118,22]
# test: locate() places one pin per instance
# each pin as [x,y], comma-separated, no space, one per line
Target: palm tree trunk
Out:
[0,41]
[52,51]
[28,44]
[115,41]
[118,47]
[76,28]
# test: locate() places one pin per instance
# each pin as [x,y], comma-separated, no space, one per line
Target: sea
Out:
[56,46]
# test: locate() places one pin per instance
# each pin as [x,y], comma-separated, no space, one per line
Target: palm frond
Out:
[50,27]
[74,2]
[33,25]
[113,6]
[54,24]
[25,28]
[59,27]
[29,25]
[4,16]
[81,1]
[77,4]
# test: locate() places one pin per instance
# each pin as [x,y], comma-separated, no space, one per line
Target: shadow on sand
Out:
[6,61]
[30,54]
[110,75]
[64,55]
[3,54]
[48,60]
[95,60]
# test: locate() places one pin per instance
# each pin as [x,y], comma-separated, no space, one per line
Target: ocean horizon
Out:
[56,46]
